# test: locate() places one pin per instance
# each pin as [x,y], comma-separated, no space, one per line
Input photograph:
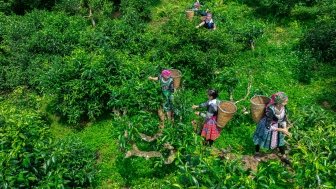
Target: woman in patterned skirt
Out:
[210,130]
[272,128]
[167,86]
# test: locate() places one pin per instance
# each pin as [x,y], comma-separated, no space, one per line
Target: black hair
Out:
[213,93]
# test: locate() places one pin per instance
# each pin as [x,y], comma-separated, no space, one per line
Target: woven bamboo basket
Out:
[190,14]
[258,104]
[176,75]
[226,110]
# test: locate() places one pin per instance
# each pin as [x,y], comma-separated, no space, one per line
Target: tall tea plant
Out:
[312,147]
[80,84]
[30,157]
[227,81]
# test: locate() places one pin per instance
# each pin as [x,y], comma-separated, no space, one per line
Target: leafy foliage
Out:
[314,149]
[275,7]
[90,71]
[84,72]
[137,11]
[306,68]
[30,157]
[21,7]
[321,42]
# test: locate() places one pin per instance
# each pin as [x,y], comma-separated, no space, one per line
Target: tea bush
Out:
[136,11]
[89,71]
[22,7]
[84,73]
[305,70]
[277,8]
[313,147]
[75,81]
[321,42]
[15,32]
[30,157]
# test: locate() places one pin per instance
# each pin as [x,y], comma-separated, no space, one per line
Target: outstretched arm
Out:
[200,106]
[284,131]
[194,106]
[201,24]
[153,78]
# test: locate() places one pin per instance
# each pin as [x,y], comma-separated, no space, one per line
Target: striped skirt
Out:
[266,138]
[210,130]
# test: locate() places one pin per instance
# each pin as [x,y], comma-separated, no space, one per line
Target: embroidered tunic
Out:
[265,135]
[210,130]
[167,87]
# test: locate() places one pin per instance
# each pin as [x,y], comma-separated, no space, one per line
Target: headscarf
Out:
[277,98]
[165,73]
[197,5]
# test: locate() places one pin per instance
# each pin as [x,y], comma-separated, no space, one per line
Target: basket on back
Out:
[190,14]
[258,105]
[226,110]
[176,75]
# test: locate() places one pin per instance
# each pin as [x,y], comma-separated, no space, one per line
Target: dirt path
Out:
[152,154]
[249,161]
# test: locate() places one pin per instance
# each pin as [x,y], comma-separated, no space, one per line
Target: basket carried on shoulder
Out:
[176,75]
[258,105]
[190,14]
[226,110]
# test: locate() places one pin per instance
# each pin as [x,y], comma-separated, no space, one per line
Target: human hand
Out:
[197,113]
[284,131]
[194,107]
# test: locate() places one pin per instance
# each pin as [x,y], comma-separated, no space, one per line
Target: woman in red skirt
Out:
[210,130]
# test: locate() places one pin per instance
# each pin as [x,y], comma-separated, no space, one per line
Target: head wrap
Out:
[209,14]
[197,4]
[166,73]
[277,98]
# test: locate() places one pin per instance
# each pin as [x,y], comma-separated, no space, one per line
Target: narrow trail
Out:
[249,162]
[152,154]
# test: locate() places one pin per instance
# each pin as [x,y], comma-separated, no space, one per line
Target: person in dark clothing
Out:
[210,130]
[167,86]
[271,130]
[208,22]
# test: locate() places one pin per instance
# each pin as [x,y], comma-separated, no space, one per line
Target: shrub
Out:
[135,11]
[14,35]
[80,84]
[21,7]
[321,42]
[91,9]
[30,157]
[273,7]
[56,35]
[305,70]
[313,147]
